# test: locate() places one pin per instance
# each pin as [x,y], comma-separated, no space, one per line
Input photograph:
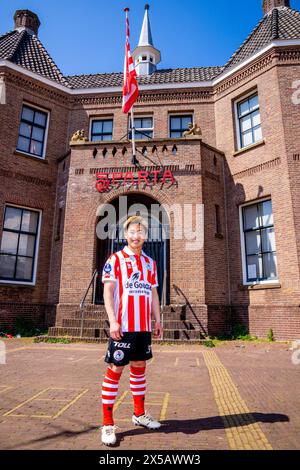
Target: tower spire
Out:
[145,55]
[146,35]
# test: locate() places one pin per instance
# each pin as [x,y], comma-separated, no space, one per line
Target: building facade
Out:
[237,169]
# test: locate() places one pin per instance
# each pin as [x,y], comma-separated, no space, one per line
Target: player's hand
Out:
[115,331]
[157,330]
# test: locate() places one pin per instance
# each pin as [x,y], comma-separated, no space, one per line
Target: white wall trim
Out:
[200,84]
[277,43]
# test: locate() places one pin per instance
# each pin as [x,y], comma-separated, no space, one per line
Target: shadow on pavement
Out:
[188,426]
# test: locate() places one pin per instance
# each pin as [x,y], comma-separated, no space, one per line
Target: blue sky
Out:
[88,36]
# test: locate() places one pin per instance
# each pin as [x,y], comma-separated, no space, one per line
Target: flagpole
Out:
[134,160]
[127,64]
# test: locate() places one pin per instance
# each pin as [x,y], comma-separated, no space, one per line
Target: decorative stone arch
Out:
[158,197]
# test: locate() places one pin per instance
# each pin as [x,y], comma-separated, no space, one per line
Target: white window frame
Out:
[243,251]
[141,129]
[237,122]
[101,118]
[46,111]
[38,235]
[178,114]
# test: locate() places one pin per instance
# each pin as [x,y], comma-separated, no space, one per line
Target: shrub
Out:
[270,335]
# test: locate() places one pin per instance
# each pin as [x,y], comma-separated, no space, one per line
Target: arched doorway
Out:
[157,246]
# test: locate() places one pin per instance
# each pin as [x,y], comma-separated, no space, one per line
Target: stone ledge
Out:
[275,285]
[249,147]
[31,157]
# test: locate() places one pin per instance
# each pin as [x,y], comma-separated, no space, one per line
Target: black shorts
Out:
[131,347]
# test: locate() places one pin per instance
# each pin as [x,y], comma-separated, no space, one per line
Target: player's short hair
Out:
[135,219]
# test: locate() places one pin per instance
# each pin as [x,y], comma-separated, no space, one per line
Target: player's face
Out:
[135,236]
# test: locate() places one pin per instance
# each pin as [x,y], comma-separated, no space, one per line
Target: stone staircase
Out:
[180,324]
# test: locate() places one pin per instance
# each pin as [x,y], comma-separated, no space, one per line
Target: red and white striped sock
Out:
[110,388]
[138,389]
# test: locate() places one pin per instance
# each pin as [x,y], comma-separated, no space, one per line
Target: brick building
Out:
[242,171]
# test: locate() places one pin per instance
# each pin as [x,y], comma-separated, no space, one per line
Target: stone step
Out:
[102,315]
[99,323]
[56,331]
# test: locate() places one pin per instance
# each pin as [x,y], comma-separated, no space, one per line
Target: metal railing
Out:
[163,302]
[82,302]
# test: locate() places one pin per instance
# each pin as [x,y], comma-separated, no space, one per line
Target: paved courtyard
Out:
[234,396]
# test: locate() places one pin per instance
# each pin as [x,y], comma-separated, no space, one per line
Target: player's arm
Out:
[155,308]
[108,294]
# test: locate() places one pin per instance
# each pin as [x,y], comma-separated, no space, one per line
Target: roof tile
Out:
[26,50]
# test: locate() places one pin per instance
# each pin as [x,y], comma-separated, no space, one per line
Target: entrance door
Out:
[156,246]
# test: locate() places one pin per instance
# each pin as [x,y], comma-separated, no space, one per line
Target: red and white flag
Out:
[130,87]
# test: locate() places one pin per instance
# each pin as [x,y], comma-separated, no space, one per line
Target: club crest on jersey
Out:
[118,355]
[107,268]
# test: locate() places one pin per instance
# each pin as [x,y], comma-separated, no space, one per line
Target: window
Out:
[32,131]
[249,125]
[143,127]
[102,129]
[260,262]
[179,124]
[18,252]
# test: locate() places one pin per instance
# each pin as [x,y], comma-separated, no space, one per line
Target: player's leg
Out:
[141,353]
[138,386]
[110,388]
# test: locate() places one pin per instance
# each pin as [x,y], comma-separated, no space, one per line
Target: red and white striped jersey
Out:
[135,275]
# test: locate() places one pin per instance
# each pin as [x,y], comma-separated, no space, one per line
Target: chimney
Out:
[268,5]
[27,20]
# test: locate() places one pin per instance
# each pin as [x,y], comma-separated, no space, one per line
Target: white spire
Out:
[145,55]
[146,36]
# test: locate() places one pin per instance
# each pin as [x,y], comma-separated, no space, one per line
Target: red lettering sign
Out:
[168,174]
[143,175]
[104,182]
[128,175]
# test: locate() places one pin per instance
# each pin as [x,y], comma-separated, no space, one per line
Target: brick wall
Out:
[31,182]
[211,280]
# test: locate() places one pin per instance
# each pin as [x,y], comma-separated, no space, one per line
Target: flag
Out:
[130,87]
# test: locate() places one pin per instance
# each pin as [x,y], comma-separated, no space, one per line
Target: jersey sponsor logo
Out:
[118,355]
[138,285]
[122,345]
[133,283]
[107,268]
